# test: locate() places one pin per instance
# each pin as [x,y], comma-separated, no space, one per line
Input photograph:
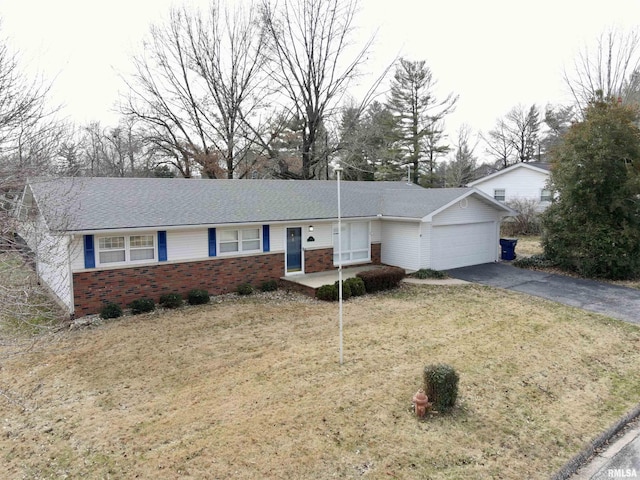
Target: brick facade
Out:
[218,275]
[92,289]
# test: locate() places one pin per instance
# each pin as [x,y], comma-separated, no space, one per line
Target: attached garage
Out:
[456,246]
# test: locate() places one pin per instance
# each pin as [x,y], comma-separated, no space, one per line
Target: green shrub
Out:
[441,386]
[269,286]
[356,286]
[533,262]
[244,289]
[425,273]
[171,300]
[142,305]
[198,297]
[346,290]
[328,293]
[111,310]
[379,279]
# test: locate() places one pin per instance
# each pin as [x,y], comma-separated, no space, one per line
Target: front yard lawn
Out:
[252,388]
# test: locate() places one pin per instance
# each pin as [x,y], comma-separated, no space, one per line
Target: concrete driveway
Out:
[617,302]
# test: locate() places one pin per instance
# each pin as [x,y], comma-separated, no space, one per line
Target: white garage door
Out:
[454,246]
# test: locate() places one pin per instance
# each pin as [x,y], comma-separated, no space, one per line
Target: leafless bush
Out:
[527,222]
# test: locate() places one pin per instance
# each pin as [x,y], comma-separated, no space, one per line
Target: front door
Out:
[294,249]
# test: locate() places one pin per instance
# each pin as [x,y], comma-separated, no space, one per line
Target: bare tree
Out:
[608,71]
[310,45]
[515,137]
[198,87]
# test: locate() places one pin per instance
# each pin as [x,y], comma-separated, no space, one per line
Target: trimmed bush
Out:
[171,300]
[356,286]
[269,286]
[198,297]
[346,290]
[328,293]
[381,278]
[244,289]
[425,273]
[533,262]
[110,310]
[142,305]
[441,386]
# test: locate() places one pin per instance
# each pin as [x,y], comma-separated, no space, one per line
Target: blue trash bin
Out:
[508,248]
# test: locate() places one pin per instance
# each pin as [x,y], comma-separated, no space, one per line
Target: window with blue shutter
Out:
[212,242]
[89,252]
[266,241]
[162,246]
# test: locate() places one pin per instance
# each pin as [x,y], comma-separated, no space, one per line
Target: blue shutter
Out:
[266,242]
[162,246]
[212,242]
[89,252]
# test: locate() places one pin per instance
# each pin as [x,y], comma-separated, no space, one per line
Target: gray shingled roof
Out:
[85,204]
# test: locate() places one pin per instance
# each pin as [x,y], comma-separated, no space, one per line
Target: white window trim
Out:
[240,250]
[350,252]
[541,197]
[504,194]
[127,249]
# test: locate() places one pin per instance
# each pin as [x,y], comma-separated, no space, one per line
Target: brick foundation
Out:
[221,275]
[92,289]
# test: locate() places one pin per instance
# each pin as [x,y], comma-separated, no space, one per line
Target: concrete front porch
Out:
[308,283]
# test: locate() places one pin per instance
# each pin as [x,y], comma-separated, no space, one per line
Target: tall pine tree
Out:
[420,117]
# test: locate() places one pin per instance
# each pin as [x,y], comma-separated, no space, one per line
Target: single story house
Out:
[119,239]
[522,181]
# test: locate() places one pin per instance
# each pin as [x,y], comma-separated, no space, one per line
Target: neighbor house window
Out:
[356,245]
[498,194]
[245,240]
[122,248]
[545,195]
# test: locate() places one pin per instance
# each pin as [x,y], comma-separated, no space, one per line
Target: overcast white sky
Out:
[494,53]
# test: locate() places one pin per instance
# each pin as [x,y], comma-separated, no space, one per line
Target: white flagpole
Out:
[338,172]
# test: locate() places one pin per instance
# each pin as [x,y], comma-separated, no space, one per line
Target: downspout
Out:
[72,313]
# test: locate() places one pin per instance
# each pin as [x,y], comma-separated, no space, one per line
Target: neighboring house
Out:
[118,239]
[522,181]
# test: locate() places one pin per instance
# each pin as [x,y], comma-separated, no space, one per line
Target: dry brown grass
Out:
[253,389]
[528,245]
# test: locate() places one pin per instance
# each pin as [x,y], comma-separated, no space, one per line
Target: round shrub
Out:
[441,386]
[171,300]
[142,305]
[111,310]
[328,293]
[269,286]
[198,297]
[356,286]
[346,290]
[244,289]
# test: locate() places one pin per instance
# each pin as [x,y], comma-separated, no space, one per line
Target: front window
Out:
[120,249]
[355,243]
[499,194]
[245,240]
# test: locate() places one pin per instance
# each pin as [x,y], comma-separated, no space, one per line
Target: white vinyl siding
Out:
[187,245]
[468,210]
[401,244]
[521,183]
[356,244]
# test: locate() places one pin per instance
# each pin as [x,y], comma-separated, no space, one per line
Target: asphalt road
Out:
[618,302]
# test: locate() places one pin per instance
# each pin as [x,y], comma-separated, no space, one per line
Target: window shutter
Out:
[212,242]
[89,252]
[162,246]
[266,241]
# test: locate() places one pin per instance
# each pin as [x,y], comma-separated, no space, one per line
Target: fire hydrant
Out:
[421,403]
